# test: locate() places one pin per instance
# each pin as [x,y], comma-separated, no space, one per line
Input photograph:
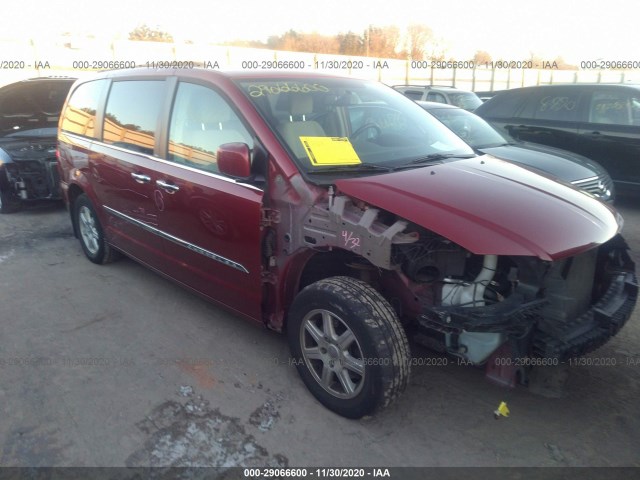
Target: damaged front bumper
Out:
[596,326]
[540,326]
[31,174]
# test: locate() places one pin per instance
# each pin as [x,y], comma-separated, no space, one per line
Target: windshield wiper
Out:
[357,168]
[493,145]
[432,159]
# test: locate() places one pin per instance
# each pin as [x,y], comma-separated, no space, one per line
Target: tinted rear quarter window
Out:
[503,105]
[80,115]
[131,116]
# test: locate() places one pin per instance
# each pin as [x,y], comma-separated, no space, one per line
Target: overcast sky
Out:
[511,29]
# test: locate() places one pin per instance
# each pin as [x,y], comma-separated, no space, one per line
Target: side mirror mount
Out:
[234,159]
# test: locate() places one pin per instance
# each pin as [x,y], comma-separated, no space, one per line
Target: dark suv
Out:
[482,137]
[29,113]
[599,121]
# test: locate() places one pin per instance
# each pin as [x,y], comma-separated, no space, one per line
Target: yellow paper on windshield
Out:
[330,151]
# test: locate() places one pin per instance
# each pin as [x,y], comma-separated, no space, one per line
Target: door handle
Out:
[141,178]
[167,187]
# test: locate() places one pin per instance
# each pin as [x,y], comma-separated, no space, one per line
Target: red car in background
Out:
[339,211]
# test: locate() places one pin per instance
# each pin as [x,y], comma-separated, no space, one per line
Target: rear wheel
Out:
[90,232]
[348,346]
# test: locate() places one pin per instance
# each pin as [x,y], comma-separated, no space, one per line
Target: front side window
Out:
[201,121]
[335,122]
[559,105]
[80,115]
[131,116]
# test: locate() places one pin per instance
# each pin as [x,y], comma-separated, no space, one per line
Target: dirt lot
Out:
[114,365]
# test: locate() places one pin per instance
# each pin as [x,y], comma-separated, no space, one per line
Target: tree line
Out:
[417,42]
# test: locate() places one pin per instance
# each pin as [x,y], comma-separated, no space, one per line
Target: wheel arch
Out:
[73,193]
[312,266]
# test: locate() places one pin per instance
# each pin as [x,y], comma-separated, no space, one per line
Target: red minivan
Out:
[339,211]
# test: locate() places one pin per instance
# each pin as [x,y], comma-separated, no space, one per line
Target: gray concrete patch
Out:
[192,434]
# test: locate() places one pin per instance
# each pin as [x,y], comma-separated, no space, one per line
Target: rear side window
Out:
[614,108]
[80,115]
[131,116]
[201,121]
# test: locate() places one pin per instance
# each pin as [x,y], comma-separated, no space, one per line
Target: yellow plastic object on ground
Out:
[502,411]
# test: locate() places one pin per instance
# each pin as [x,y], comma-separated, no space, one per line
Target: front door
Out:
[611,134]
[211,223]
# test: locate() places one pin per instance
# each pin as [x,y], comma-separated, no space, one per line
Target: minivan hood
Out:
[492,207]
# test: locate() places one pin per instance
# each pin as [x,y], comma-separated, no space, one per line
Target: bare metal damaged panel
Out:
[340,223]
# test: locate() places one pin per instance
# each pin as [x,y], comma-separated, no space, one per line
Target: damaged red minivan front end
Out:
[500,256]
[479,258]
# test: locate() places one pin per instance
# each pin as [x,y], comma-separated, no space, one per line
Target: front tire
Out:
[348,346]
[90,232]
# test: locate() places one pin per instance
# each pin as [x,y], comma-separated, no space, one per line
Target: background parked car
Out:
[29,112]
[441,94]
[576,169]
[599,121]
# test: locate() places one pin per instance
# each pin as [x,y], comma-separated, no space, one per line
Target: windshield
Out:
[471,128]
[466,100]
[327,123]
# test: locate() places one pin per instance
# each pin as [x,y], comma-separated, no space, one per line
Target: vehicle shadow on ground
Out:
[40,207]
